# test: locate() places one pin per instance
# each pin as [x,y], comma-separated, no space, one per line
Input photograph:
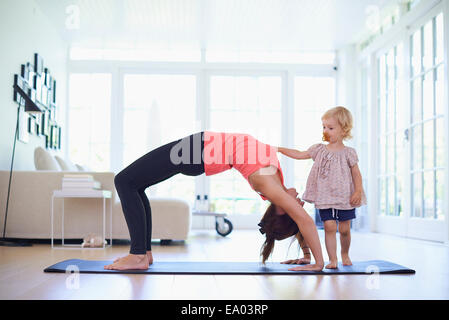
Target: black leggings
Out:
[150,169]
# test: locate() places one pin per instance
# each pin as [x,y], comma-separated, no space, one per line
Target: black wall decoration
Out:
[40,86]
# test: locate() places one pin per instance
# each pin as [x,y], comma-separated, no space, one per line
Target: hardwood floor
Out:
[22,276]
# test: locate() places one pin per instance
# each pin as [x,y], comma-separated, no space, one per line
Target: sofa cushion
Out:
[43,160]
[66,165]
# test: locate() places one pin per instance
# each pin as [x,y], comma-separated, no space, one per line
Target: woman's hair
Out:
[276,227]
[344,118]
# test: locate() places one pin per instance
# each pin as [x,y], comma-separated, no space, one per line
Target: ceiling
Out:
[270,25]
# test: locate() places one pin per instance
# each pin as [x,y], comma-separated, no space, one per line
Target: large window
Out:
[427,119]
[313,96]
[243,104]
[89,120]
[159,109]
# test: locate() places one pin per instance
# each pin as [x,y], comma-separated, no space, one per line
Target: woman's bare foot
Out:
[332,265]
[130,262]
[149,255]
[345,259]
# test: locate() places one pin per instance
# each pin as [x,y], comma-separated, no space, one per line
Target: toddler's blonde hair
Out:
[344,118]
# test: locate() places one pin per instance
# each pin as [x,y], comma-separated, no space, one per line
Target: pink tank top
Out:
[223,151]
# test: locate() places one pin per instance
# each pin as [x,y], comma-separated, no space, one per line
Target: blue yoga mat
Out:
[189,267]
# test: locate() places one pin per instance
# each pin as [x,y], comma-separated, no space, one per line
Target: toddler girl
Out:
[334,184]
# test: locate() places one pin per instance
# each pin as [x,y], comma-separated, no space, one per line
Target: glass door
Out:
[426,130]
[391,141]
[411,139]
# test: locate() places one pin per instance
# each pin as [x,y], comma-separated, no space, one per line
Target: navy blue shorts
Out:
[337,214]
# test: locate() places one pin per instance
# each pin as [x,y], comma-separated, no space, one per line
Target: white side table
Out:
[82,193]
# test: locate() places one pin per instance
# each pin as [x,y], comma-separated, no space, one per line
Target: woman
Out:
[211,153]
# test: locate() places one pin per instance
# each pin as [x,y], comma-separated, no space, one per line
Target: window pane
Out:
[391,153]
[132,152]
[439,90]
[399,151]
[428,96]
[383,115]
[245,93]
[429,144]
[428,45]
[252,104]
[429,194]
[99,156]
[79,149]
[417,194]
[400,204]
[383,195]
[390,70]
[400,114]
[417,147]
[391,112]
[391,196]
[243,104]
[219,98]
[440,187]
[400,109]
[382,154]
[154,116]
[89,121]
[169,116]
[416,52]
[382,75]
[416,100]
[309,107]
[399,61]
[268,91]
[399,162]
[439,39]
[135,121]
[179,186]
[440,141]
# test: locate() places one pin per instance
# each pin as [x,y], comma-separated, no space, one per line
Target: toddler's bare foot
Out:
[130,262]
[346,261]
[332,265]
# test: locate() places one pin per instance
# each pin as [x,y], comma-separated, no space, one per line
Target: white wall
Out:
[24,30]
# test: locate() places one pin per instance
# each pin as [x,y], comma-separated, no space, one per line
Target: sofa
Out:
[29,211]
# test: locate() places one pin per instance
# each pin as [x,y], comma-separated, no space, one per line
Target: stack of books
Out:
[79,182]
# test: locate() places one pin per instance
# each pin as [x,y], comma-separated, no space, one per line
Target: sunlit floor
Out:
[22,276]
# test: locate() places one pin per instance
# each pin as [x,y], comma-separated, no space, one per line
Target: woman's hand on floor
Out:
[297,261]
[309,267]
